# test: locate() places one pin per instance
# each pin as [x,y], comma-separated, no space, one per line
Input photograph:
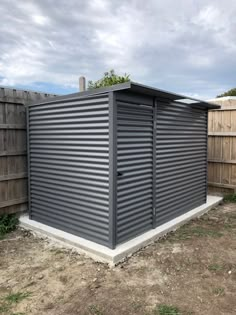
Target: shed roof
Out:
[137,88]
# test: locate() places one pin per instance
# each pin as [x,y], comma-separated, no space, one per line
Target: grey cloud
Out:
[185,46]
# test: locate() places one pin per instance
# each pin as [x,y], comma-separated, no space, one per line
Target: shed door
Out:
[135,167]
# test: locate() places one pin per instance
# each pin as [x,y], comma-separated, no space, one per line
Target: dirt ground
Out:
[193,270]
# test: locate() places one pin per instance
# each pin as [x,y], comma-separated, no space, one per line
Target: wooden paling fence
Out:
[222,147]
[13,155]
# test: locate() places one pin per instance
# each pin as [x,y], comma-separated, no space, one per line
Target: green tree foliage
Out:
[109,78]
[231,92]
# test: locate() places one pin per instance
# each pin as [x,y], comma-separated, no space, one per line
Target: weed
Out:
[93,309]
[164,309]
[4,308]
[218,291]
[11,299]
[136,305]
[16,297]
[229,226]
[230,198]
[8,223]
[215,267]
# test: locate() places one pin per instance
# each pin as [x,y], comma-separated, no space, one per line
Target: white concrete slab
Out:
[107,255]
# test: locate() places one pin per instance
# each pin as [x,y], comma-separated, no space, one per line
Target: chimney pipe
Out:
[82,84]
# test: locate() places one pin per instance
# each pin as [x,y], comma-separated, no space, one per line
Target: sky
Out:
[184,46]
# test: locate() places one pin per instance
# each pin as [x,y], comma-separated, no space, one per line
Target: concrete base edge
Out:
[114,256]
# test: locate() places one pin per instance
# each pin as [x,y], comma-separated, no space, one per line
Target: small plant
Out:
[230,198]
[215,267]
[109,78]
[164,309]
[8,223]
[219,291]
[94,310]
[136,306]
[4,308]
[16,297]
[11,299]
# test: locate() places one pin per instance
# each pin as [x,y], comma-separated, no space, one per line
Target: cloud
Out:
[183,46]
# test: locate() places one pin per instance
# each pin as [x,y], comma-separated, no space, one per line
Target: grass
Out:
[164,309]
[215,267]
[8,223]
[136,306]
[11,299]
[230,198]
[229,226]
[93,309]
[218,291]
[16,297]
[4,308]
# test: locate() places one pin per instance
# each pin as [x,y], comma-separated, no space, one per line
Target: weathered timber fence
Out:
[13,157]
[222,146]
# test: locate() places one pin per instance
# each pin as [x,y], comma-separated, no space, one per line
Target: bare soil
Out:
[192,269]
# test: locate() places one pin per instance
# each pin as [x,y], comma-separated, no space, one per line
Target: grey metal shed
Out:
[112,163]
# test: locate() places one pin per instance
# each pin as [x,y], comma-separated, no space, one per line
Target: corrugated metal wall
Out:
[162,152]
[181,159]
[134,164]
[69,166]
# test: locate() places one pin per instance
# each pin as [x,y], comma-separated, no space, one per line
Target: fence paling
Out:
[222,149]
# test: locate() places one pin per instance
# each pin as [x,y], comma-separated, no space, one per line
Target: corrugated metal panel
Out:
[69,166]
[181,152]
[134,164]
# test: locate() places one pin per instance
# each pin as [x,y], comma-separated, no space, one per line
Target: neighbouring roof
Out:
[223,98]
[137,88]
[226,102]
